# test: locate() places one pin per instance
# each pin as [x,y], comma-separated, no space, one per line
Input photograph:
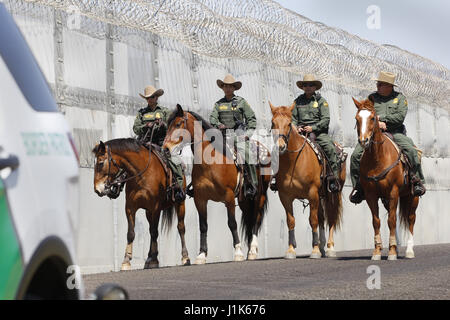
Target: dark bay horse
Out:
[299,177]
[382,176]
[215,177]
[145,188]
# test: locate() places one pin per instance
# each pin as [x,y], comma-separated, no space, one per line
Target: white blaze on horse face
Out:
[364,114]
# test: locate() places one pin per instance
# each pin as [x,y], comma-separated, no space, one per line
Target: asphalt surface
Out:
[345,277]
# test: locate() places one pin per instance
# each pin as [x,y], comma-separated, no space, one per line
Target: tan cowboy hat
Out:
[387,77]
[150,91]
[309,78]
[229,79]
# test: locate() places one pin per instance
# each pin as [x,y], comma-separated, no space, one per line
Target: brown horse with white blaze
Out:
[215,177]
[145,188]
[382,176]
[299,177]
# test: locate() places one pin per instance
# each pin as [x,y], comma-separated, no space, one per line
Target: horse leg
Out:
[314,223]
[232,224]
[131,218]
[331,253]
[392,223]
[322,236]
[153,220]
[203,221]
[373,205]
[181,209]
[290,220]
[414,202]
[253,251]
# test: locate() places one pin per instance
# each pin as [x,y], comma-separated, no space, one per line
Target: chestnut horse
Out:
[215,177]
[382,175]
[145,188]
[299,177]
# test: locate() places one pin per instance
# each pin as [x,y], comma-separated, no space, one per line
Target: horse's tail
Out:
[254,210]
[167,218]
[333,208]
[405,210]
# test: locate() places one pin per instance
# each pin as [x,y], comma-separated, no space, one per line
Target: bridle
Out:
[114,185]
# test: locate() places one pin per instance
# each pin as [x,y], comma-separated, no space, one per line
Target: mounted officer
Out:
[233,112]
[391,108]
[151,127]
[311,116]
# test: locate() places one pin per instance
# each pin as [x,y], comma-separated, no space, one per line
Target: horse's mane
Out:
[367,105]
[178,114]
[123,145]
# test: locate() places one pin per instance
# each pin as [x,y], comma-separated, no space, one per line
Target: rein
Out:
[117,181]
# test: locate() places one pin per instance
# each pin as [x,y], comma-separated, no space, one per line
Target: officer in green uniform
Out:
[156,116]
[233,112]
[391,108]
[312,115]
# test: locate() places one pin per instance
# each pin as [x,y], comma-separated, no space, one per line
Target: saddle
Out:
[340,154]
[158,152]
[262,159]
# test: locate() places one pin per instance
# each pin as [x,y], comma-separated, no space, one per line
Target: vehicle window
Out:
[23,66]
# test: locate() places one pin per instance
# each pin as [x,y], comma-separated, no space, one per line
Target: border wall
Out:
[97,65]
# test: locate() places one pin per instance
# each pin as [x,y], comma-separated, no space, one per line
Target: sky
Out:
[420,27]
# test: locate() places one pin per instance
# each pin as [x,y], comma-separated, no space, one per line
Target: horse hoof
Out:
[290,254]
[330,254]
[252,256]
[239,258]
[151,265]
[410,255]
[125,267]
[315,255]
[376,257]
[392,257]
[186,262]
[201,259]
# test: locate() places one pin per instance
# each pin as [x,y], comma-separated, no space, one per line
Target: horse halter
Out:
[115,185]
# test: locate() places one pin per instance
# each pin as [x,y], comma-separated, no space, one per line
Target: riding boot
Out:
[273,184]
[357,194]
[179,194]
[333,184]
[418,188]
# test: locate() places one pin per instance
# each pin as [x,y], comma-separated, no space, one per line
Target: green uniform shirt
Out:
[391,110]
[312,112]
[147,115]
[227,112]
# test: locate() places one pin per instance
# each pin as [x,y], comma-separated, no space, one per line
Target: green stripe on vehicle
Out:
[11,267]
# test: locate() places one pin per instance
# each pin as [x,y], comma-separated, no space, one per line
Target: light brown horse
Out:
[215,177]
[299,177]
[382,176]
[145,188]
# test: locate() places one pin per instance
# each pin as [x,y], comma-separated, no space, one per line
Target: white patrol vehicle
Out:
[38,180]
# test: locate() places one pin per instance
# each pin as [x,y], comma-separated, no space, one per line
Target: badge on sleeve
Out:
[315,104]
[406,102]
[325,104]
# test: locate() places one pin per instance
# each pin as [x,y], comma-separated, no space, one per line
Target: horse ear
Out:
[99,148]
[180,111]
[272,108]
[357,103]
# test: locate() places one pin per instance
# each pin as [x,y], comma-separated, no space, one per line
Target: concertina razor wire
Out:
[265,31]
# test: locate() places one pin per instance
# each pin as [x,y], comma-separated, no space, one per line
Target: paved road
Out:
[425,277]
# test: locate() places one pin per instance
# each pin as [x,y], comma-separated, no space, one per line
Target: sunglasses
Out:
[383,84]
